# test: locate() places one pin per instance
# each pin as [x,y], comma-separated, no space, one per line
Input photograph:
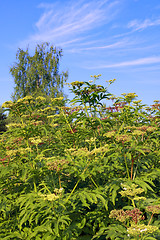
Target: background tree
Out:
[2,121]
[38,74]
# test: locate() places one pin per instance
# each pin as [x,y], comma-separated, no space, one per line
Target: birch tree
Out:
[38,74]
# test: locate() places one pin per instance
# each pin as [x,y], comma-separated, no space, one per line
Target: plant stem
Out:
[73,190]
[35,187]
[59,180]
[67,121]
[93,181]
[86,109]
[133,203]
[126,166]
[132,168]
[135,172]
[78,181]
[150,219]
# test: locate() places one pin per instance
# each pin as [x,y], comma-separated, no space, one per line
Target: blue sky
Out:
[116,38]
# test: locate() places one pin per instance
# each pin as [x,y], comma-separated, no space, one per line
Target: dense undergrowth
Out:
[87,171]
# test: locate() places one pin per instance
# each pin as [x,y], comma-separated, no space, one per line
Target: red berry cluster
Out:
[135,214]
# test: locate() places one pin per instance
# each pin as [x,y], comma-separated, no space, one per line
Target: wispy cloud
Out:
[141,25]
[71,20]
[121,44]
[137,62]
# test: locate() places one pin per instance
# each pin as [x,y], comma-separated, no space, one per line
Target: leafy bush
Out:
[2,121]
[81,172]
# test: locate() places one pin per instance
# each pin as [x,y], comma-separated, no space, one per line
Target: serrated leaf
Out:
[149,238]
[82,223]
[114,194]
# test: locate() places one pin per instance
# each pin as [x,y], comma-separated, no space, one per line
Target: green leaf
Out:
[140,150]
[114,193]
[149,238]
[82,223]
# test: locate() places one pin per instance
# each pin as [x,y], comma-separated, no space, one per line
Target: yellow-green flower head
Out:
[100,149]
[11,153]
[49,197]
[109,134]
[7,104]
[138,133]
[28,98]
[138,101]
[20,100]
[54,125]
[123,138]
[35,141]
[129,95]
[77,83]
[112,81]
[51,116]
[25,100]
[40,98]
[58,190]
[81,152]
[68,84]
[113,97]
[91,139]
[36,123]
[130,190]
[21,151]
[46,109]
[151,129]
[57,99]
[142,228]
[119,215]
[14,125]
[56,116]
[155,209]
[139,198]
[25,116]
[96,76]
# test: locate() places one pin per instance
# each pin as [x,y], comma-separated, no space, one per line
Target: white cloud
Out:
[65,21]
[141,25]
[119,44]
[46,5]
[137,62]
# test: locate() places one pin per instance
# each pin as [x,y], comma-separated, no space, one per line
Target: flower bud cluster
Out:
[35,140]
[135,230]
[124,138]
[155,209]
[119,215]
[56,164]
[14,152]
[135,215]
[109,134]
[130,191]
[52,196]
[81,152]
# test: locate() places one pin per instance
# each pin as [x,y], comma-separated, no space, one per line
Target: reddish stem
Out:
[150,219]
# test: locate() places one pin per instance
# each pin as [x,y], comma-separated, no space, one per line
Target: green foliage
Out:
[2,121]
[38,74]
[80,172]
